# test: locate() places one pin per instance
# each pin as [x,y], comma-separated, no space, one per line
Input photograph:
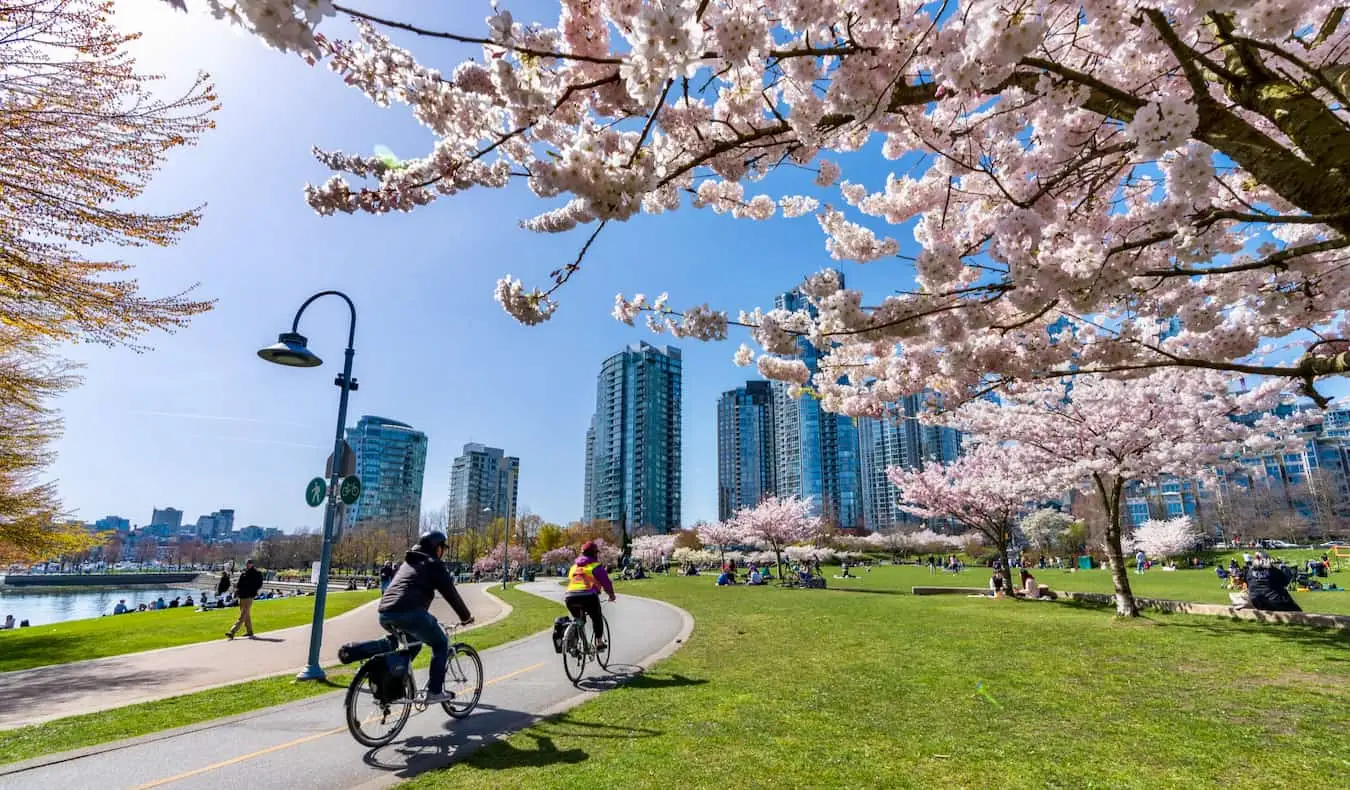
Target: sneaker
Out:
[600,645]
[434,697]
[229,635]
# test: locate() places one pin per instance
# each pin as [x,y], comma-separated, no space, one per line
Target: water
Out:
[40,607]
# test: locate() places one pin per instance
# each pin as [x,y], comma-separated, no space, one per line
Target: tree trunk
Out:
[1120,574]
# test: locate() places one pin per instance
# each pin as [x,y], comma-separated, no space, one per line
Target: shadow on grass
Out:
[477,742]
[1311,636]
[634,677]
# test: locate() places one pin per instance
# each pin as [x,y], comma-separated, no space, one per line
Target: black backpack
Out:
[559,627]
[360,651]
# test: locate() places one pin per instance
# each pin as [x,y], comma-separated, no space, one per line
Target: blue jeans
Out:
[424,628]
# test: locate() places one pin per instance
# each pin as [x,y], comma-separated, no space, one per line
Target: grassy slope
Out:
[100,637]
[804,688]
[529,615]
[1199,586]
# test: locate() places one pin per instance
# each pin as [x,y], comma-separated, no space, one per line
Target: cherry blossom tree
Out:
[491,562]
[1101,434]
[897,543]
[1075,174]
[651,549]
[985,490]
[775,524]
[563,555]
[721,534]
[1045,527]
[1166,538]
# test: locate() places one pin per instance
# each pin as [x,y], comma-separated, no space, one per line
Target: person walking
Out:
[245,590]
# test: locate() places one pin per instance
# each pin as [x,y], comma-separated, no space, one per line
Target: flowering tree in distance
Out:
[895,542]
[775,524]
[721,534]
[1164,539]
[1104,167]
[491,562]
[651,549]
[1104,433]
[563,555]
[985,490]
[1045,527]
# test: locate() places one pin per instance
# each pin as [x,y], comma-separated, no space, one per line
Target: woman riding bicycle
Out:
[585,579]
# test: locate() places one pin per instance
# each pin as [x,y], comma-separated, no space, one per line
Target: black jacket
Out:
[416,583]
[250,582]
[223,586]
[1266,590]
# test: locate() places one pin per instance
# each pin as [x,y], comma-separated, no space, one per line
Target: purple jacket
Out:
[601,575]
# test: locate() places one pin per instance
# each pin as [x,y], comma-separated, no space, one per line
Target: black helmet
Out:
[429,541]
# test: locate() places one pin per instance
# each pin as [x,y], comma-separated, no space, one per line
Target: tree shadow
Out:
[1313,637]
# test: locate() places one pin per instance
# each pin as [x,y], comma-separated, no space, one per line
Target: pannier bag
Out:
[386,673]
[559,628]
[360,651]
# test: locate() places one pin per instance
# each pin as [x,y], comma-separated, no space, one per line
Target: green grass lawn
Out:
[782,688]
[1199,586]
[530,614]
[100,637]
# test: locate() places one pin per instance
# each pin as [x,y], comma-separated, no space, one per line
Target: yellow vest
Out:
[581,578]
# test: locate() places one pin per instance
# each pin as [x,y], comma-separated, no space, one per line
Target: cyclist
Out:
[404,605]
[585,579]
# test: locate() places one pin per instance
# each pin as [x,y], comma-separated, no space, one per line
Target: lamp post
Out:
[291,350]
[506,544]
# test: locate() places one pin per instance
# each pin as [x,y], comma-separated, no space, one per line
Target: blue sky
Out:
[200,423]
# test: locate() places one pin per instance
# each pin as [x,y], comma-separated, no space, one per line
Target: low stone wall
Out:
[97,579]
[1218,610]
[949,590]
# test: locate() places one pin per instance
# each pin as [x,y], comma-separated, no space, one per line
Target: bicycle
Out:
[463,677]
[578,647]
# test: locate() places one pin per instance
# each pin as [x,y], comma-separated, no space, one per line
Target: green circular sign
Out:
[314,492]
[350,490]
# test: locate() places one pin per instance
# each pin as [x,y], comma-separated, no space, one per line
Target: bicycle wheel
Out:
[574,651]
[602,656]
[371,722]
[464,676]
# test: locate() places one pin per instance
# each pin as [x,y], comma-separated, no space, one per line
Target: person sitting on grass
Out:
[1267,586]
[725,578]
[755,576]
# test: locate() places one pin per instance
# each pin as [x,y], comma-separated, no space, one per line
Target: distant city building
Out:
[898,440]
[169,517]
[484,482]
[817,451]
[272,532]
[747,464]
[633,444]
[251,534]
[217,525]
[391,461]
[112,523]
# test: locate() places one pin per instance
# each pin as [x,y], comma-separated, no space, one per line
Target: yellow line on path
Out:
[297,742]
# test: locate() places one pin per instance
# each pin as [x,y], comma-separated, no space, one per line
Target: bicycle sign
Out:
[350,489]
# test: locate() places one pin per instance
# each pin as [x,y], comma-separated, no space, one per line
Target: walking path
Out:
[305,745]
[31,696]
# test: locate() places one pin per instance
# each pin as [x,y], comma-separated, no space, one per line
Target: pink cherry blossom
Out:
[1165,538]
[1088,185]
[775,524]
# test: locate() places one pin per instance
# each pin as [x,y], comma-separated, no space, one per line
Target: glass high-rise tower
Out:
[391,460]
[483,486]
[633,443]
[898,440]
[817,451]
[747,466]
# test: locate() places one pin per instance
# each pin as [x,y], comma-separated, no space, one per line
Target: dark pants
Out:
[590,604]
[423,627]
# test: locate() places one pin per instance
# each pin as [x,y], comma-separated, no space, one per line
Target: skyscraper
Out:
[898,440]
[747,466]
[817,451]
[391,459]
[168,517]
[633,444]
[483,486]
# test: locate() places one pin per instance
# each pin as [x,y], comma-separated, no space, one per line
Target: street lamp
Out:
[506,544]
[292,350]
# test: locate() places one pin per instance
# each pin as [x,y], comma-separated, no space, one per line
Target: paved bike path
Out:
[31,696]
[306,744]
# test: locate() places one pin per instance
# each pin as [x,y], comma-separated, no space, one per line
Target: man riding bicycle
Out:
[404,605]
[585,579]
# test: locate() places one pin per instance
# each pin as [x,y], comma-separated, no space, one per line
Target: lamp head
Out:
[291,349]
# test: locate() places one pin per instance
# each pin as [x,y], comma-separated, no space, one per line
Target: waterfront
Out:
[41,607]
